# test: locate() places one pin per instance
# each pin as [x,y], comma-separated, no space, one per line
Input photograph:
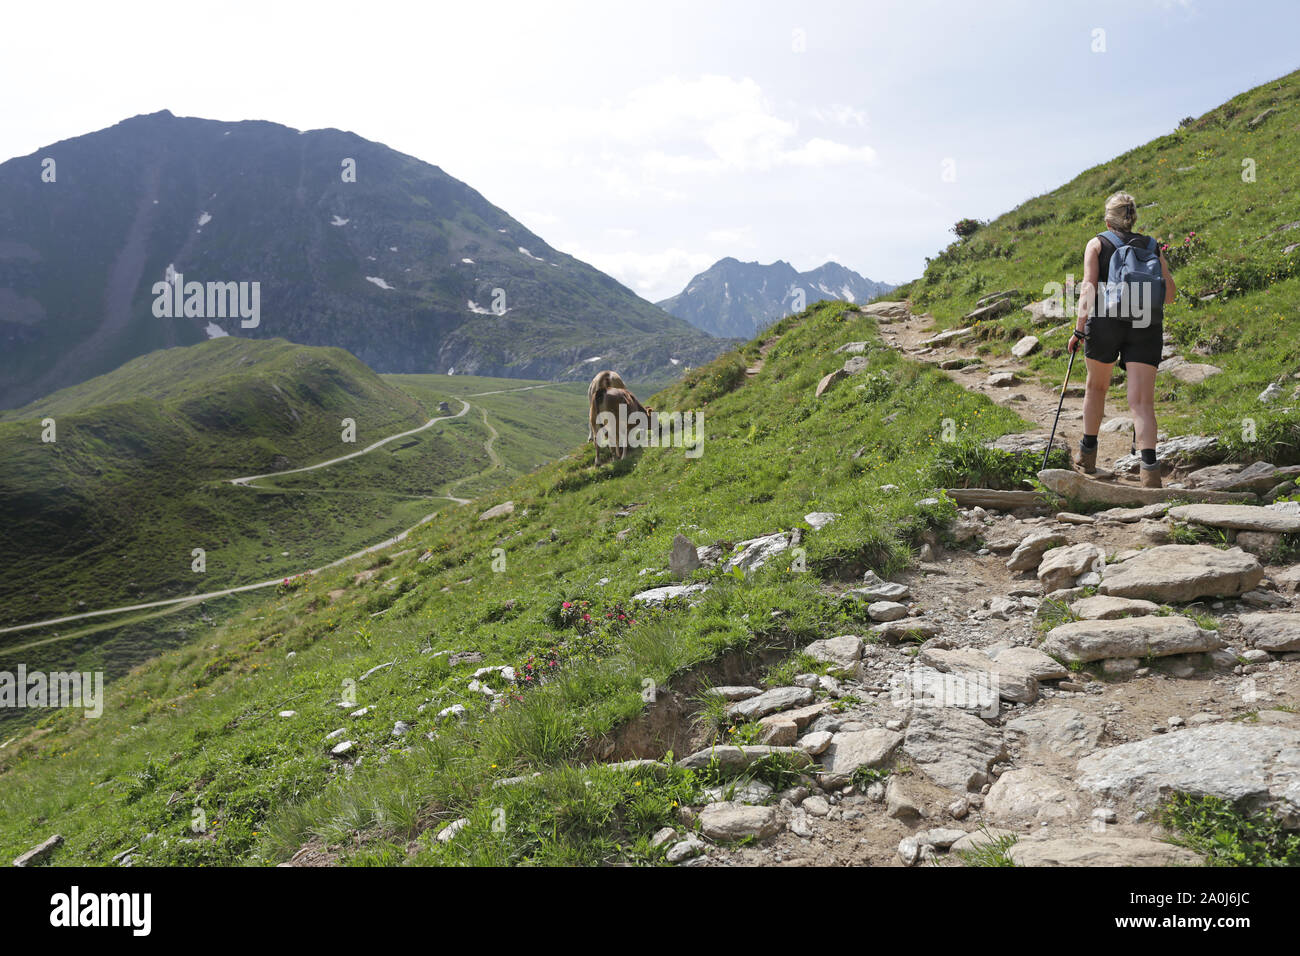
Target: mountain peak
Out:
[732,298]
[406,267]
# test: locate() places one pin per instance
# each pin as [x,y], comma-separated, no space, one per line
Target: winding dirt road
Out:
[249,482]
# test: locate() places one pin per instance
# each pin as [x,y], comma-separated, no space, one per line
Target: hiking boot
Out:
[1088,459]
[1150,476]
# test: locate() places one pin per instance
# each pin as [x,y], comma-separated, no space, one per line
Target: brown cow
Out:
[605,379]
[612,401]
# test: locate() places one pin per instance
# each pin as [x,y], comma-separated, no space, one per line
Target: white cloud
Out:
[840,114]
[739,236]
[654,275]
[706,125]
[825,152]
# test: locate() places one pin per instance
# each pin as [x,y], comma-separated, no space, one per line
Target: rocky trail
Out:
[1045,682]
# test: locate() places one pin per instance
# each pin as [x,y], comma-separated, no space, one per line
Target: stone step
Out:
[1129,637]
[995,498]
[1073,484]
[1238,518]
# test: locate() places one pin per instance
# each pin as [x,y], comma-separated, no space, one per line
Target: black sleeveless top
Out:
[1108,249]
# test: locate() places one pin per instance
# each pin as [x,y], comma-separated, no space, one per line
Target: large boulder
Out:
[874,588]
[1031,549]
[1272,631]
[1233,476]
[1060,567]
[1182,572]
[1183,450]
[921,686]
[1025,346]
[1238,517]
[1033,795]
[1104,607]
[769,702]
[889,310]
[669,591]
[828,380]
[1031,661]
[998,499]
[843,652]
[754,553]
[886,611]
[1011,682]
[950,336]
[849,751]
[1253,767]
[952,748]
[1045,311]
[1095,849]
[1062,731]
[684,557]
[1152,636]
[38,853]
[1193,373]
[991,311]
[907,629]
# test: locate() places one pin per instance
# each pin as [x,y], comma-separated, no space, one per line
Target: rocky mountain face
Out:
[319,237]
[734,298]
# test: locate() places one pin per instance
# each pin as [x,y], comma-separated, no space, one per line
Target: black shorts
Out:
[1110,339]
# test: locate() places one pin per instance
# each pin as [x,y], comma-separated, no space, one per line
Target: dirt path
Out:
[248,481]
[762,356]
[192,598]
[1031,400]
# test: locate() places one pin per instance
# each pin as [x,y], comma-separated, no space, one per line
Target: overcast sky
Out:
[653,138]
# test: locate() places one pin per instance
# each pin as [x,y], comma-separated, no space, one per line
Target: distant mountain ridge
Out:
[736,299]
[405,267]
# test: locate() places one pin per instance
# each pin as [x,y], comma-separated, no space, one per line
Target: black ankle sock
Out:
[1148,456]
[1089,441]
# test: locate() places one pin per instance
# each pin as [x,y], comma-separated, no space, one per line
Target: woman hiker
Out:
[1136,344]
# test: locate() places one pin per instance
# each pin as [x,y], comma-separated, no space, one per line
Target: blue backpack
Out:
[1135,284]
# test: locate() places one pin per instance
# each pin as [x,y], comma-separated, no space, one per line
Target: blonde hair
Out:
[1121,212]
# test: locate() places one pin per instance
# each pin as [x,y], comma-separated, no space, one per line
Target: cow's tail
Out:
[599,396]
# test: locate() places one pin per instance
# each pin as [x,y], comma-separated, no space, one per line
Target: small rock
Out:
[734,821]
[886,611]
[817,806]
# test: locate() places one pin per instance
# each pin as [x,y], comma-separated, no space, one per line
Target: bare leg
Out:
[1094,397]
[1142,402]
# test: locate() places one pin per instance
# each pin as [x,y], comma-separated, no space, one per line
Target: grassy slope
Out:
[201,721]
[112,509]
[1250,329]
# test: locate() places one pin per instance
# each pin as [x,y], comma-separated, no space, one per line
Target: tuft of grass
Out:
[994,851]
[1203,620]
[1052,614]
[968,464]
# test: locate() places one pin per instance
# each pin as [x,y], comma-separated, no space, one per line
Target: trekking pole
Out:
[1059,404]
